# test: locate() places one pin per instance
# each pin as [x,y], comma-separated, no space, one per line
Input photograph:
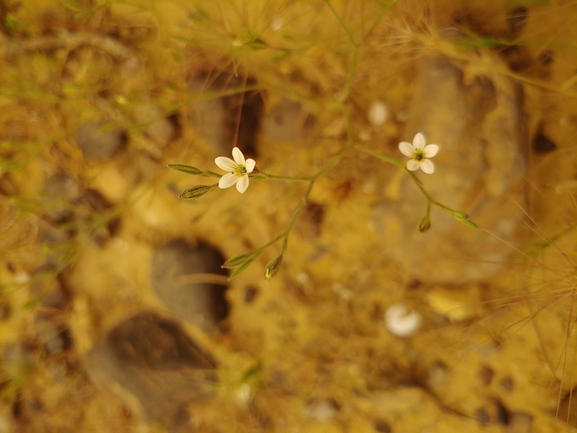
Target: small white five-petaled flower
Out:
[419,152]
[238,170]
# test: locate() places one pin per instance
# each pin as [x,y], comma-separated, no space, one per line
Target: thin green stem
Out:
[427,196]
[276,238]
[284,234]
[445,208]
[377,21]
[348,123]
[400,164]
[350,72]
[330,163]
[430,201]
[300,206]
[380,156]
[420,186]
[274,176]
[334,12]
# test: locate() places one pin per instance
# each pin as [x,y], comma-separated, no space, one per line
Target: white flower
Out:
[238,169]
[419,153]
[401,321]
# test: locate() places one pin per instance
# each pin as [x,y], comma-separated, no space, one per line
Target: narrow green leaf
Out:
[186,169]
[73,7]
[242,267]
[251,372]
[256,43]
[459,215]
[196,191]
[237,261]
[210,174]
[462,217]
[31,304]
[470,224]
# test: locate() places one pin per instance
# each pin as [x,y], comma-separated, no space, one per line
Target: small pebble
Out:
[342,291]
[100,141]
[402,321]
[321,410]
[378,113]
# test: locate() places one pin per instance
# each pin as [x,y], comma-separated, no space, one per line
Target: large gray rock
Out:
[478,122]
[191,283]
[99,140]
[153,365]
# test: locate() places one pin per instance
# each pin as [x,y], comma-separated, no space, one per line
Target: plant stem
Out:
[274,176]
[380,156]
[330,163]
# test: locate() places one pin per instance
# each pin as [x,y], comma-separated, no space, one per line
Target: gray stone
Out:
[226,115]
[153,365]
[191,283]
[99,140]
[478,122]
[286,121]
[157,127]
[59,191]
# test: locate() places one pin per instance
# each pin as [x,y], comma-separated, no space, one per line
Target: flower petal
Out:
[412,165]
[427,166]
[250,164]
[242,184]
[406,149]
[227,180]
[431,150]
[419,141]
[225,163]
[238,156]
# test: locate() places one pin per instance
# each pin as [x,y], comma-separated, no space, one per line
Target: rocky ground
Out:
[116,313]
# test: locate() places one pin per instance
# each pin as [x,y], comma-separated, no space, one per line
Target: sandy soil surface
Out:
[364,297]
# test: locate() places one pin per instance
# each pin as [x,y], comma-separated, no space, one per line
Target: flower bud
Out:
[424,224]
[272,267]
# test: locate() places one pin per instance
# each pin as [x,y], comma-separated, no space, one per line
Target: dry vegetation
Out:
[115,314]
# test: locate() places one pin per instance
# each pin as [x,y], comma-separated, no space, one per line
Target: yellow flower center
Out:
[419,155]
[240,170]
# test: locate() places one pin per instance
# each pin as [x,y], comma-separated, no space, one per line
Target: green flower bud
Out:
[272,267]
[424,224]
